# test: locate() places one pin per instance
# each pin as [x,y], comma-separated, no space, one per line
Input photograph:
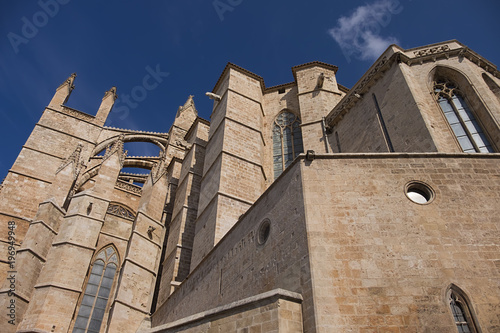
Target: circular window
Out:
[264,231]
[419,192]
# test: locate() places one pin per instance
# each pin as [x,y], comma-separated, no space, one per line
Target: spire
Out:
[106,105]
[111,92]
[69,82]
[116,147]
[189,102]
[186,114]
[62,92]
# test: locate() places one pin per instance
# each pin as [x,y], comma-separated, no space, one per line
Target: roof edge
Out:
[259,78]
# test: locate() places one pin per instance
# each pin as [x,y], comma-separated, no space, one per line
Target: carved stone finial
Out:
[189,102]
[69,82]
[159,168]
[112,92]
[75,159]
[116,146]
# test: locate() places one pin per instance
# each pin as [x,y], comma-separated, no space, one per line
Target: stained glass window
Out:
[467,130]
[461,311]
[287,141]
[97,291]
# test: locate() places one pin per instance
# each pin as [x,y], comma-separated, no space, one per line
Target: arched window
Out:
[95,299]
[467,130]
[119,210]
[460,309]
[287,141]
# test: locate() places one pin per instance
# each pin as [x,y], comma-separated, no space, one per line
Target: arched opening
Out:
[287,141]
[461,310]
[467,117]
[460,117]
[95,299]
[133,143]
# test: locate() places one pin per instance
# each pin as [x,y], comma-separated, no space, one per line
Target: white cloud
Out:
[359,35]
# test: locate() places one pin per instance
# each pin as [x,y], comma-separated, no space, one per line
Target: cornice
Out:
[229,66]
[295,69]
[259,78]
[353,95]
[442,52]
[420,55]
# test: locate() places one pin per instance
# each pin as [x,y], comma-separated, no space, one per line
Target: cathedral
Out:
[303,207]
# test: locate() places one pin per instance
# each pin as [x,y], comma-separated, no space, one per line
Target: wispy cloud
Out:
[359,35]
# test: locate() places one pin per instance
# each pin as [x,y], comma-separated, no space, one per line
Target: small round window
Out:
[419,192]
[264,231]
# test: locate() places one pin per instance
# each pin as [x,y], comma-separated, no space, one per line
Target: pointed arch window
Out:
[461,311]
[97,291]
[287,141]
[464,125]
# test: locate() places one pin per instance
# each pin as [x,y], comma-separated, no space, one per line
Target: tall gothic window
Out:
[97,291]
[461,311]
[287,141]
[467,130]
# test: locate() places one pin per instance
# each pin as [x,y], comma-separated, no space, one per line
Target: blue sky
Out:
[117,43]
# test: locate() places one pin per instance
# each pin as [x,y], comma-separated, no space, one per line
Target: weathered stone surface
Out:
[210,239]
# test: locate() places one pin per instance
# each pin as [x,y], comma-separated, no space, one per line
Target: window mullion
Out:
[96,296]
[282,150]
[462,122]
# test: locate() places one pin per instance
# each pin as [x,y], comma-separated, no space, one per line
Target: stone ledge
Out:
[22,297]
[45,225]
[399,155]
[216,194]
[41,152]
[115,236]
[58,286]
[140,212]
[64,133]
[32,330]
[135,232]
[29,176]
[132,261]
[275,293]
[53,202]
[126,304]
[43,259]
[195,209]
[82,246]
[222,152]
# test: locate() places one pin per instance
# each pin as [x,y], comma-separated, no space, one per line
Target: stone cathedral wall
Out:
[382,262]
